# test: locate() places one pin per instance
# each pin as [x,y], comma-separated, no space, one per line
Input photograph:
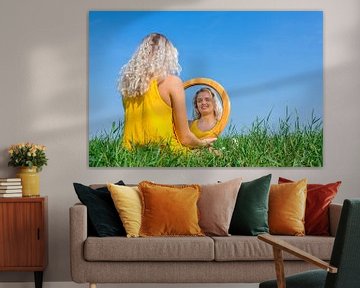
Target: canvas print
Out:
[205,89]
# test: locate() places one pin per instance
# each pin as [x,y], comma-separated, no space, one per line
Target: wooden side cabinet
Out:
[23,235]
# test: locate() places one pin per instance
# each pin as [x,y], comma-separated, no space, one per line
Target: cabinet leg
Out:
[38,279]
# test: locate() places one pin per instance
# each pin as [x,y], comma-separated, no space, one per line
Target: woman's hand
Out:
[208,141]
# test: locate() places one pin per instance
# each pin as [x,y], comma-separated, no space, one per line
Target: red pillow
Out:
[319,197]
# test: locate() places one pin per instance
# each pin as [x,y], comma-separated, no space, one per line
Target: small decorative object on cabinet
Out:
[30,158]
[30,181]
[23,235]
[10,187]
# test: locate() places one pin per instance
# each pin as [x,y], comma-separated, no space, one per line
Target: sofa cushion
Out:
[102,215]
[169,210]
[318,199]
[245,248]
[127,201]
[250,215]
[216,205]
[287,204]
[149,249]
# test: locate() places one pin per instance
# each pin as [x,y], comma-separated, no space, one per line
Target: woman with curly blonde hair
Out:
[154,98]
[207,114]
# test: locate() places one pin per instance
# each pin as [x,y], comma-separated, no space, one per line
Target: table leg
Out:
[38,279]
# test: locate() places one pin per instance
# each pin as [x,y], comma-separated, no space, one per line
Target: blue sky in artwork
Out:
[266,60]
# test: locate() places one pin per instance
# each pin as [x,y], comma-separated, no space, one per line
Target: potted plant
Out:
[30,158]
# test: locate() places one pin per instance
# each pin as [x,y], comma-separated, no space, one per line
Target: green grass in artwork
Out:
[288,145]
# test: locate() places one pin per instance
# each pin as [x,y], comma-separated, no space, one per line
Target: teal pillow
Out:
[250,216]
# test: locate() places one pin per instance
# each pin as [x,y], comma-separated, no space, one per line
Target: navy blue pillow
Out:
[103,218]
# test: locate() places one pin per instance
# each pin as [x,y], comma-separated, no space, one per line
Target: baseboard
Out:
[74,285]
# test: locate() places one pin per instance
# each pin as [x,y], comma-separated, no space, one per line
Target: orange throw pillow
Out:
[287,204]
[169,210]
[319,197]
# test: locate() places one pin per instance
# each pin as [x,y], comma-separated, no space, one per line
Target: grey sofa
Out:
[234,259]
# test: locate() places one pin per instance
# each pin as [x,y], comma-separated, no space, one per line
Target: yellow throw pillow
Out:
[127,201]
[287,204]
[169,210]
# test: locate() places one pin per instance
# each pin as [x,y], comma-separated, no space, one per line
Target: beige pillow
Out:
[127,201]
[216,206]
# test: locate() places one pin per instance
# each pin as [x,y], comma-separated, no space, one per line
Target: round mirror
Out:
[221,103]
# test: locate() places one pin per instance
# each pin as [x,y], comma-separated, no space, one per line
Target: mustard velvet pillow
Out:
[127,201]
[169,210]
[287,204]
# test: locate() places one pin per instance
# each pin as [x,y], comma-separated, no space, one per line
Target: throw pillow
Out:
[319,197]
[287,204]
[250,215]
[216,206]
[101,211]
[127,201]
[169,210]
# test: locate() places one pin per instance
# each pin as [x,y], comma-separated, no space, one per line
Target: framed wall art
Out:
[205,89]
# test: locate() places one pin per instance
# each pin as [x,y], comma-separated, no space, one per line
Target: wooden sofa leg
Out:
[92,285]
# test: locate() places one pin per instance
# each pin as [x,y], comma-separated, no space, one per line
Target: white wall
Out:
[43,90]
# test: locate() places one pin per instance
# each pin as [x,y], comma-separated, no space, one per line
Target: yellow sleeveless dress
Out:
[214,132]
[148,119]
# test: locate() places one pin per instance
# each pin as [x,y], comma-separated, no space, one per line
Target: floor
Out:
[74,285]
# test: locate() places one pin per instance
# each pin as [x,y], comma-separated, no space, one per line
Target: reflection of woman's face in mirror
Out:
[207,111]
[207,105]
[204,104]
[210,107]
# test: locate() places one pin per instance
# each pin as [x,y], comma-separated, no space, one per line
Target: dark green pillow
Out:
[103,219]
[250,216]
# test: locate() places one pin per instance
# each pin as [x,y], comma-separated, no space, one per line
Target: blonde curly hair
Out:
[155,58]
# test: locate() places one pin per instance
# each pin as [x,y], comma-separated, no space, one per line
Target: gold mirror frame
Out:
[220,91]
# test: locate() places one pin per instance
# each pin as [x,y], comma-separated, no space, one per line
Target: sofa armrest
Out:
[334,217]
[78,234]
